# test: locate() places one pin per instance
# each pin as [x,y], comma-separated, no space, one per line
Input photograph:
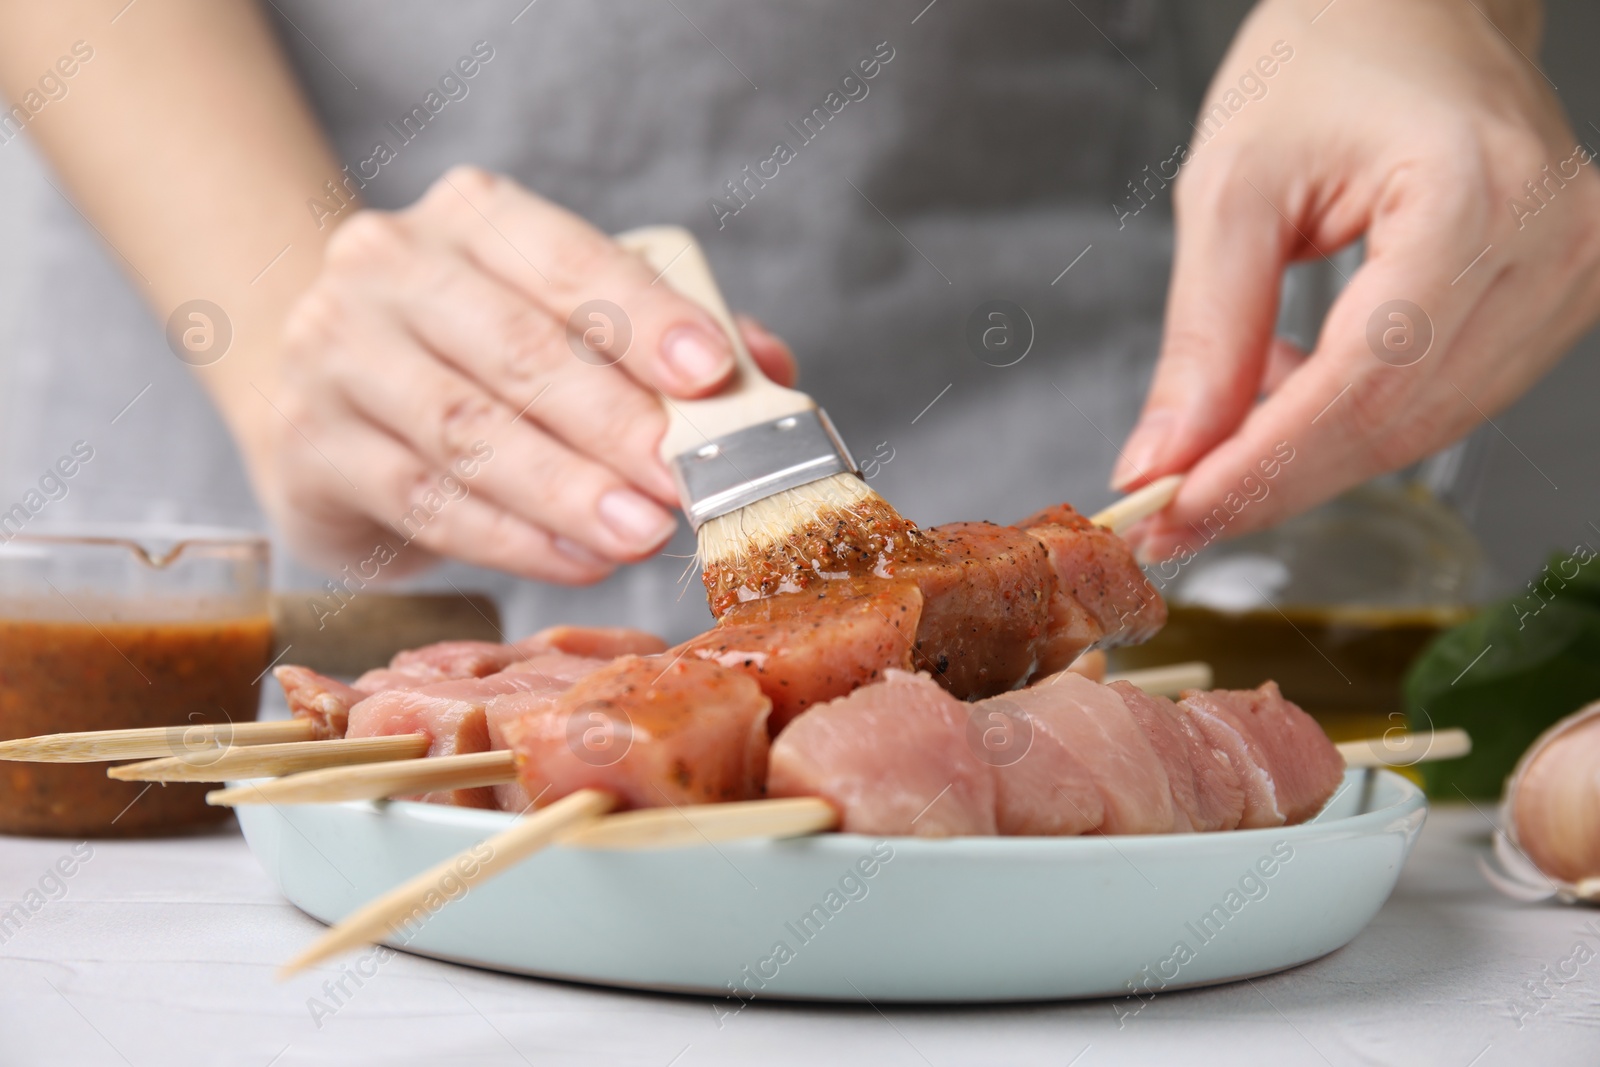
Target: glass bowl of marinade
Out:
[119,626]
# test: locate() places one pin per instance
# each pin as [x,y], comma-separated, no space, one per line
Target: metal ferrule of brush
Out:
[740,468]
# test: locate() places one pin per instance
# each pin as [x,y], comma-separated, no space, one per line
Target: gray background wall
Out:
[1516,512]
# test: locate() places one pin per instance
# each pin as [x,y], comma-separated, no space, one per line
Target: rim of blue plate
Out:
[1395,798]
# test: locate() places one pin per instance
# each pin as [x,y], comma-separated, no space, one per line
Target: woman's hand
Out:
[437,391]
[1421,124]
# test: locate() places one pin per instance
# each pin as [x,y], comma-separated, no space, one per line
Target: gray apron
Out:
[989,158]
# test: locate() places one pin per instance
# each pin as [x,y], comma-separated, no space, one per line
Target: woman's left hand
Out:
[1426,127]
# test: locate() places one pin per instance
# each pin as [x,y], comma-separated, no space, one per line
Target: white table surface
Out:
[162,952]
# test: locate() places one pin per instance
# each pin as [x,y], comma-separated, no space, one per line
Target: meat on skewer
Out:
[804,649]
[883,754]
[454,715]
[1064,756]
[903,757]
[982,608]
[327,702]
[650,731]
[990,607]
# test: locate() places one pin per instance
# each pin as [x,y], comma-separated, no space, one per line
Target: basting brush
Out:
[770,489]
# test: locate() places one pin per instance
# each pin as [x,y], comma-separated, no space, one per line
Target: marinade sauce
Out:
[66,674]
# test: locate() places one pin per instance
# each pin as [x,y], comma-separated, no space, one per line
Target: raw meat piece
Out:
[892,757]
[557,666]
[598,642]
[456,659]
[451,714]
[323,700]
[1206,794]
[1288,767]
[1091,722]
[1041,786]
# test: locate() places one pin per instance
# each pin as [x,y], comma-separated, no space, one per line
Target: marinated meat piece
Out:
[806,648]
[652,731]
[892,757]
[1091,722]
[1206,794]
[598,642]
[504,710]
[985,612]
[1100,596]
[1001,604]
[323,700]
[1288,767]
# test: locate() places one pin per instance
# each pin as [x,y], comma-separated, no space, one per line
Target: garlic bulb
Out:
[1550,845]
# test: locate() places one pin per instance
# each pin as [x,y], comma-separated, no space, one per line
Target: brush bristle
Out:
[831,528]
[755,529]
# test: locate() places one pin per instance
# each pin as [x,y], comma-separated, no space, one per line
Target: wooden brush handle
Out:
[751,397]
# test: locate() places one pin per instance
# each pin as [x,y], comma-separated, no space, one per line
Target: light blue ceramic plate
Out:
[842,917]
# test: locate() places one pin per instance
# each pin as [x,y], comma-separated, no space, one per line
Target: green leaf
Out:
[1506,675]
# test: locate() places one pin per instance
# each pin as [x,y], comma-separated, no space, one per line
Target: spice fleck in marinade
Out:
[61,675]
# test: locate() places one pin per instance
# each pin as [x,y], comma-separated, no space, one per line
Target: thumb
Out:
[1221,309]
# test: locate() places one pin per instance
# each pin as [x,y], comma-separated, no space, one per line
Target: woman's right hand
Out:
[437,395]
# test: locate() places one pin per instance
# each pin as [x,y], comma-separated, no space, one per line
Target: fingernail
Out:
[634,519]
[1142,450]
[574,551]
[696,357]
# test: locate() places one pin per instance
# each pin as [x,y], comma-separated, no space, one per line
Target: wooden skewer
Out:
[101,746]
[268,761]
[1406,749]
[375,780]
[407,776]
[698,824]
[1139,504]
[1169,680]
[404,777]
[505,849]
